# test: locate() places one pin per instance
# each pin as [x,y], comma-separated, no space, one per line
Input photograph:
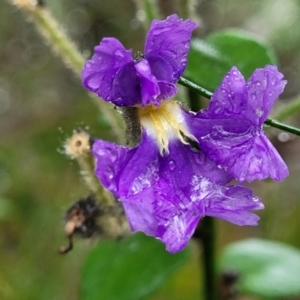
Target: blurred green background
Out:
[41,102]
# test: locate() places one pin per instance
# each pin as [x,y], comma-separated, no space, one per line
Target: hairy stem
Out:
[63,47]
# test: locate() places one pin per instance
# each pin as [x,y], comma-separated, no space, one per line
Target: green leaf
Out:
[210,59]
[268,269]
[127,270]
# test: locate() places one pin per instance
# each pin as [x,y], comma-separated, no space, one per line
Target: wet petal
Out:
[166,195]
[264,87]
[230,99]
[230,130]
[167,46]
[110,73]
[246,156]
[233,204]
[149,85]
[253,101]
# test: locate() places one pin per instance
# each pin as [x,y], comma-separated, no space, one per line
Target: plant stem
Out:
[208,258]
[207,94]
[205,232]
[67,51]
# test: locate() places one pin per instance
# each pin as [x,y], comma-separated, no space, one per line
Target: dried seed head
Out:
[78,145]
[26,4]
[81,219]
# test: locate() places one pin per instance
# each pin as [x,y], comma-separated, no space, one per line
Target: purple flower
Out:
[115,76]
[230,130]
[180,170]
[166,183]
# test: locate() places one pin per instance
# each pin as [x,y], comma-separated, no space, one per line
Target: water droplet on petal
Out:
[171,165]
[259,112]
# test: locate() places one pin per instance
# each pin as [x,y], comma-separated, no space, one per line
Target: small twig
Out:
[65,250]
[62,46]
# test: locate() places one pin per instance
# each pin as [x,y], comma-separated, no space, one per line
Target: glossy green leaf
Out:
[268,269]
[210,59]
[127,270]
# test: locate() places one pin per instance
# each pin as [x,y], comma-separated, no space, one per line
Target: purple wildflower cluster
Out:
[181,169]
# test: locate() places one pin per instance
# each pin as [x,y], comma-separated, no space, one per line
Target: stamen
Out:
[165,123]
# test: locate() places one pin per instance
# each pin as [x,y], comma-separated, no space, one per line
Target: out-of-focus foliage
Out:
[41,102]
[210,59]
[268,269]
[129,269]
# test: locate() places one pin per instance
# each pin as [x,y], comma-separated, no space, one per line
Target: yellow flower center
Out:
[165,123]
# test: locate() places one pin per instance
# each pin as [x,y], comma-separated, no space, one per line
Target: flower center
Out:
[165,123]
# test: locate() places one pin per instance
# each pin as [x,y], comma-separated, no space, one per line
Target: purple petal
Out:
[167,46]
[253,101]
[232,204]
[246,156]
[149,85]
[230,99]
[165,196]
[264,87]
[110,73]
[119,167]
[230,130]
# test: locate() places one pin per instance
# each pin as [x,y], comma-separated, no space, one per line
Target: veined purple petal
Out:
[149,85]
[246,156]
[230,129]
[233,204]
[113,74]
[263,87]
[167,46]
[110,73]
[253,101]
[165,196]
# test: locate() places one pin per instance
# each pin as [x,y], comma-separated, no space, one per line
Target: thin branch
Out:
[62,46]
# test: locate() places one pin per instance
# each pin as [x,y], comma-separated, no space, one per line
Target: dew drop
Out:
[171,165]
[259,112]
